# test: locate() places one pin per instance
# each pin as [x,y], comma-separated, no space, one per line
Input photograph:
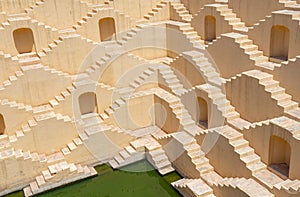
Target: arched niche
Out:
[88,103]
[107,29]
[210,28]
[24,40]
[2,125]
[203,113]
[279,43]
[279,155]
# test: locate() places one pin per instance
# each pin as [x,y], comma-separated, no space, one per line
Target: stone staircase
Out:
[57,175]
[193,187]
[223,105]
[190,34]
[252,161]
[107,115]
[54,160]
[4,142]
[185,28]
[198,158]
[241,147]
[82,25]
[111,51]
[28,59]
[252,51]
[272,87]
[241,127]
[15,105]
[288,3]
[23,18]
[156,155]
[160,135]
[290,186]
[153,15]
[107,58]
[130,34]
[13,80]
[205,67]
[182,14]
[31,123]
[25,128]
[32,156]
[39,161]
[51,71]
[86,18]
[39,115]
[186,122]
[125,93]
[61,39]
[145,147]
[111,58]
[289,125]
[248,186]
[227,14]
[127,156]
[140,80]
[195,155]
[64,95]
[91,124]
[267,178]
[171,80]
[37,4]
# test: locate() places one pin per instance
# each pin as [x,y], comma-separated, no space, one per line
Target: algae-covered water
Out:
[136,180]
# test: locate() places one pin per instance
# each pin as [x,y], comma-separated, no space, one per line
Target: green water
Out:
[135,180]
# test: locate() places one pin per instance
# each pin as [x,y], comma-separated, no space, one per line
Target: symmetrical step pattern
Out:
[271,86]
[230,17]
[223,105]
[252,51]
[139,149]
[241,147]
[248,186]
[153,14]
[205,67]
[59,174]
[171,80]
[183,14]
[193,187]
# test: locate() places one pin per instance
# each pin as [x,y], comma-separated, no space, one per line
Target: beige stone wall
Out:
[261,33]
[259,138]
[113,55]
[66,50]
[71,11]
[44,136]
[218,158]
[248,104]
[138,111]
[135,9]
[195,6]
[16,6]
[164,117]
[223,51]
[244,9]
[33,83]
[43,35]
[287,75]
[198,22]
[90,27]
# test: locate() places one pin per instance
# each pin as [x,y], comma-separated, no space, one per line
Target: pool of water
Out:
[136,180]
